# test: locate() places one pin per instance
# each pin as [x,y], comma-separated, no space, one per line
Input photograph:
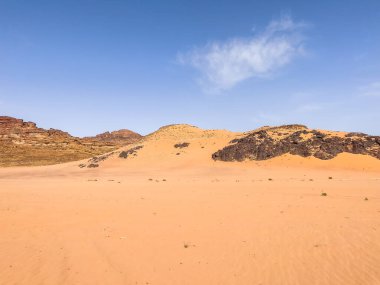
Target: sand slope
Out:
[163,218]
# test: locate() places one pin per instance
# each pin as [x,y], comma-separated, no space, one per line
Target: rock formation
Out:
[132,151]
[181,145]
[23,143]
[267,143]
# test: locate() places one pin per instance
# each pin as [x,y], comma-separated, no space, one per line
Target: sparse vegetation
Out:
[330,177]
[323,194]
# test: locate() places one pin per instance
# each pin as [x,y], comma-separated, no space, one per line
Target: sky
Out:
[89,66]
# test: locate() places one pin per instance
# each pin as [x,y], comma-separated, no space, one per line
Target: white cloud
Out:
[222,65]
[371,90]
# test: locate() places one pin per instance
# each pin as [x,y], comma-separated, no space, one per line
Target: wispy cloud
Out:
[370,90]
[222,65]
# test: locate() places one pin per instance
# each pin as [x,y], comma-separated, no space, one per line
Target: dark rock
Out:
[97,159]
[132,151]
[261,146]
[123,154]
[181,145]
[93,165]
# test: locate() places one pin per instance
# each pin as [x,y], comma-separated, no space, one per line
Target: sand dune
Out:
[172,215]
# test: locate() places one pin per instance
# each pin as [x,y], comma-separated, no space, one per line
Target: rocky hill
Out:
[23,143]
[267,143]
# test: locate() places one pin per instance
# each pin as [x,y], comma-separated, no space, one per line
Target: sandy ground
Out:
[163,218]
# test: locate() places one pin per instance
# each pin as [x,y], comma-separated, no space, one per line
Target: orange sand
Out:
[208,223]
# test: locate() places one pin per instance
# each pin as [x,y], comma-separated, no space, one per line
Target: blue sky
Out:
[87,66]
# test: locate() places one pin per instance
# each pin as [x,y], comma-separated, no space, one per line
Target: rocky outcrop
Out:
[23,143]
[18,132]
[297,140]
[8,124]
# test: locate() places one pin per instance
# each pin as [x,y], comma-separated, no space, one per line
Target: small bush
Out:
[323,194]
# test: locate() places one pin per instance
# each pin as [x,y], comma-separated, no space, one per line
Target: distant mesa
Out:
[267,143]
[24,144]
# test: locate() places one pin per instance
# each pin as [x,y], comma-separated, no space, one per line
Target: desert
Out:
[162,211]
[196,142]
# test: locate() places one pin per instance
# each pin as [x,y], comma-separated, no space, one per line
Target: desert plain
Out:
[172,215]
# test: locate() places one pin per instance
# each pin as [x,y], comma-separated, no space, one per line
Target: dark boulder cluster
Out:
[97,159]
[266,144]
[181,145]
[94,161]
[132,151]
[93,165]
